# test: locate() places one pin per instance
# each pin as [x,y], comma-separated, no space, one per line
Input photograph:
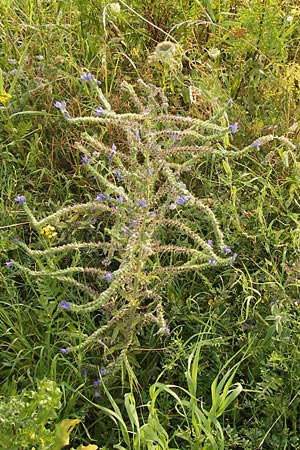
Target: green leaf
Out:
[62,433]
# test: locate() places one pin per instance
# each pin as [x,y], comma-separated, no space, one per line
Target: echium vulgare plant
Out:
[143,214]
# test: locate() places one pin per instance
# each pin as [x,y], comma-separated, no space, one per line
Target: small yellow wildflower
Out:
[4,97]
[49,232]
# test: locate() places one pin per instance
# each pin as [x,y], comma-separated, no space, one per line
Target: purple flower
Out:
[99,111]
[210,243]
[9,263]
[133,223]
[142,203]
[121,199]
[89,77]
[65,305]
[84,372]
[108,276]
[212,262]
[96,394]
[114,148]
[119,174]
[126,230]
[256,144]
[165,330]
[227,249]
[20,199]
[180,200]
[150,172]
[229,102]
[233,258]
[233,128]
[64,350]
[152,213]
[96,383]
[85,159]
[102,371]
[100,197]
[60,105]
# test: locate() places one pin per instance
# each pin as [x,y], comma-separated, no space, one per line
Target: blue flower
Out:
[108,276]
[65,305]
[210,243]
[181,200]
[133,223]
[89,77]
[60,105]
[233,128]
[100,197]
[64,350]
[9,263]
[121,199]
[142,203]
[86,76]
[84,159]
[119,174]
[256,144]
[20,199]
[102,371]
[84,372]
[96,383]
[113,148]
[227,249]
[229,102]
[126,230]
[233,258]
[212,262]
[99,111]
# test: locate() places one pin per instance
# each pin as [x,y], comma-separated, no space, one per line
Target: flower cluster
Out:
[4,98]
[48,231]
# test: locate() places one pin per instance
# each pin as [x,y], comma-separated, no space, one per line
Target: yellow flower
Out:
[48,231]
[4,97]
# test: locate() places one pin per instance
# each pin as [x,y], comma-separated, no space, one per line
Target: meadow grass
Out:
[142,326]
